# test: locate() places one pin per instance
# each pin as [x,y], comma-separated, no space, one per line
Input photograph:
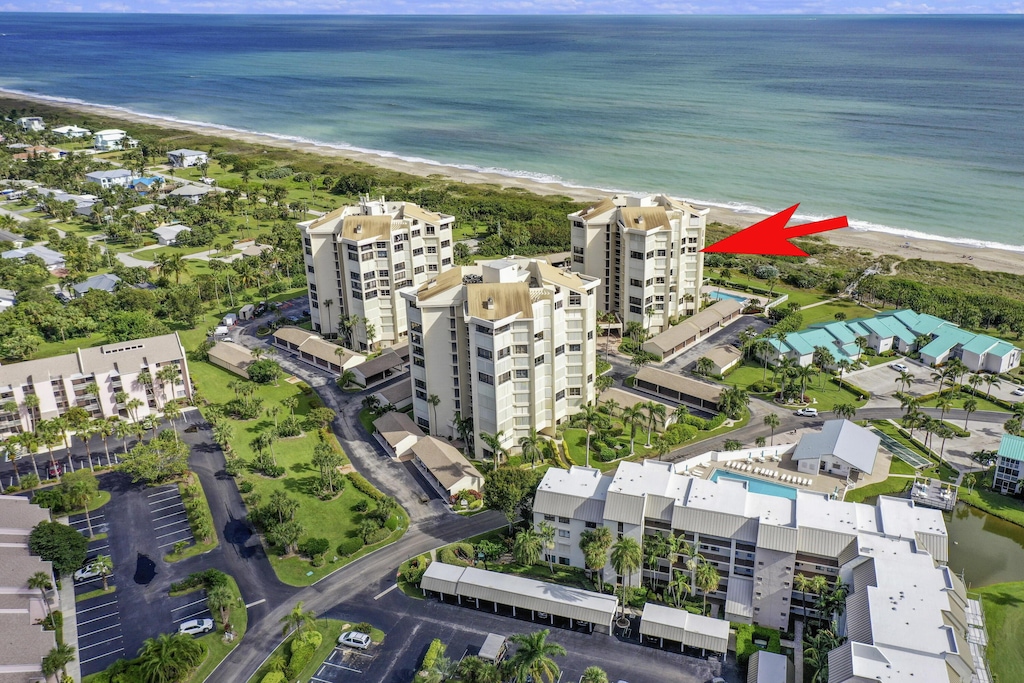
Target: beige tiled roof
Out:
[410,210]
[327,218]
[444,461]
[645,217]
[560,277]
[366,227]
[723,355]
[506,299]
[441,283]
[395,426]
[232,354]
[311,343]
[605,205]
[685,385]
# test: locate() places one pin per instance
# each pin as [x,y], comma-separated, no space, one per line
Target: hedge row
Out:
[861,393]
[302,650]
[361,484]
[435,651]
[745,634]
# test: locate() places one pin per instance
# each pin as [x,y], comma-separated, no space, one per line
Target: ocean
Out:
[910,125]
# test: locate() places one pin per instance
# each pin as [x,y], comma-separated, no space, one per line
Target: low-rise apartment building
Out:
[116,374]
[358,257]
[509,343]
[758,543]
[1009,471]
[646,250]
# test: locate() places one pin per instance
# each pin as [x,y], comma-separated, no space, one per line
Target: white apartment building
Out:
[62,381]
[358,257]
[758,542]
[508,342]
[646,252]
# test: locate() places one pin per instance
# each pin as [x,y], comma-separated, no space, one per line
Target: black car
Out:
[260,309]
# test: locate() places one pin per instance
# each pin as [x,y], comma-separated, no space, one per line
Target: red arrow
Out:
[770,236]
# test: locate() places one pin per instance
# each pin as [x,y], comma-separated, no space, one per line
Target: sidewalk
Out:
[70,619]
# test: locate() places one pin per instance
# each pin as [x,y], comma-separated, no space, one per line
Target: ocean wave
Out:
[543,178]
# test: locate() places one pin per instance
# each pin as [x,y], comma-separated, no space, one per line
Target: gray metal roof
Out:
[442,578]
[739,596]
[847,441]
[681,626]
[770,667]
[105,281]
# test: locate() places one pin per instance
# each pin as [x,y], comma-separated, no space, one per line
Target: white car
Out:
[1019,391]
[196,626]
[807,412]
[899,367]
[355,639]
[88,572]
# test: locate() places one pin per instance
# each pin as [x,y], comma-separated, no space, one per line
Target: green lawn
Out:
[897,466]
[827,312]
[889,487]
[330,629]
[823,398]
[335,519]
[800,296]
[1003,604]
[217,649]
[95,594]
[1004,507]
[938,470]
[958,402]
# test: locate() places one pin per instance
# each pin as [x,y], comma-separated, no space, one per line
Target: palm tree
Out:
[944,403]
[772,421]
[970,480]
[594,674]
[464,426]
[654,411]
[534,657]
[974,380]
[433,401]
[527,547]
[31,402]
[733,401]
[610,407]
[626,558]
[57,659]
[105,566]
[347,376]
[803,583]
[476,670]
[707,579]
[42,583]
[595,544]
[905,379]
[705,366]
[679,585]
[817,645]
[79,491]
[169,657]
[945,431]
[546,534]
[220,599]
[844,411]
[970,405]
[296,619]
[530,446]
[493,442]
[633,417]
[843,366]
[588,418]
[805,373]
[327,303]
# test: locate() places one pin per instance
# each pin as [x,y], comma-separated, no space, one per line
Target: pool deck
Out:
[822,482]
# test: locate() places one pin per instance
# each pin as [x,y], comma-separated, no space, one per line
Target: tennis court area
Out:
[908,456]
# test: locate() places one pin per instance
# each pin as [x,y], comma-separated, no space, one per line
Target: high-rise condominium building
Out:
[509,343]
[358,257]
[131,379]
[646,252]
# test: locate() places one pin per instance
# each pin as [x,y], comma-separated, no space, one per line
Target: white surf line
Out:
[258,602]
[384,592]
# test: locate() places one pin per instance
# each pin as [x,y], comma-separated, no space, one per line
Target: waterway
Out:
[984,548]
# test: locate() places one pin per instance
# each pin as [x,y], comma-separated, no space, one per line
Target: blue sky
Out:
[524,6]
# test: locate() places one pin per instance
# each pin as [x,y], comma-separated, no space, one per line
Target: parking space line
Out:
[191,616]
[99,548]
[173,514]
[164,526]
[178,504]
[175,533]
[342,666]
[106,604]
[95,519]
[171,489]
[102,642]
[168,545]
[106,654]
[99,630]
[173,609]
[105,616]
[319,680]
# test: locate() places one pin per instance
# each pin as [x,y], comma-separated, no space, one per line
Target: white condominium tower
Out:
[358,257]
[509,343]
[646,251]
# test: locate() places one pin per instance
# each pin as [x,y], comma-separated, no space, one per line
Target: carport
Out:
[689,630]
[517,592]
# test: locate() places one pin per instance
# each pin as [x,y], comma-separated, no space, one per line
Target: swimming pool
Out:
[768,488]
[724,295]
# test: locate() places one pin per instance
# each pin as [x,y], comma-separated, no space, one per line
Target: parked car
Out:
[1019,391]
[355,639]
[87,573]
[807,412]
[54,470]
[196,626]
[260,309]
[898,367]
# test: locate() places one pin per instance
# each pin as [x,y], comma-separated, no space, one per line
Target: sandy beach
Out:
[873,241]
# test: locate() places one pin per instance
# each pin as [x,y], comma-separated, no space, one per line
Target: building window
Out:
[505,377]
[431,250]
[637,255]
[549,518]
[418,251]
[559,350]
[446,243]
[484,353]
[522,374]
[575,348]
[590,525]
[575,299]
[575,391]
[564,533]
[560,395]
[485,378]
[539,360]
[418,270]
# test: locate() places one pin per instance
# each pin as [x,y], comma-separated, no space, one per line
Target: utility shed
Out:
[769,667]
[691,630]
[522,593]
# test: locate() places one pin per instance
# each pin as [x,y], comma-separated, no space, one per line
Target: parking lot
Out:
[100,640]
[881,380]
[345,663]
[170,522]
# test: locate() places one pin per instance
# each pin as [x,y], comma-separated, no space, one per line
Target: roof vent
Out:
[489,304]
[359,228]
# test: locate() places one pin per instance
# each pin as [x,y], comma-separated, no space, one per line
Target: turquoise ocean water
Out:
[908,125]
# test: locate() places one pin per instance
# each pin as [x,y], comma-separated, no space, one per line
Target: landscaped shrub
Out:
[860,393]
[763,386]
[745,636]
[314,548]
[679,433]
[289,427]
[29,481]
[350,546]
[209,578]
[376,535]
[303,648]
[273,677]
[460,554]
[434,652]
[362,485]
[361,506]
[413,570]
[246,487]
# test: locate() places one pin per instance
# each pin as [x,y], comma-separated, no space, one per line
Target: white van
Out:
[221,332]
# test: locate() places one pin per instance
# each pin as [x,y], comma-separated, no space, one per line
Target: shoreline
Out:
[987,258]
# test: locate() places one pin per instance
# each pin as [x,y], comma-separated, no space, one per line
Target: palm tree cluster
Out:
[533,660]
[820,636]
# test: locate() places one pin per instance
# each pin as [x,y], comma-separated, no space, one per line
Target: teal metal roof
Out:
[797,342]
[858,329]
[981,344]
[1012,447]
[841,332]
[1002,349]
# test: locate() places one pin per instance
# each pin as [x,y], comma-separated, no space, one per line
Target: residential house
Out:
[38,152]
[119,177]
[12,237]
[61,381]
[54,260]
[72,132]
[359,257]
[105,282]
[396,433]
[1009,472]
[168,234]
[191,193]
[112,139]
[646,252]
[184,158]
[508,342]
[143,186]
[31,124]
[7,299]
[841,448]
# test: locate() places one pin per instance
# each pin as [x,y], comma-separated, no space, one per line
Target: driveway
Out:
[722,337]
[880,380]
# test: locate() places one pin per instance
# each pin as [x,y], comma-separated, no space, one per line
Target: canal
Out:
[984,548]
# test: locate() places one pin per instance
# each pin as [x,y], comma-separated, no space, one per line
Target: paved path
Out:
[13,214]
[131,261]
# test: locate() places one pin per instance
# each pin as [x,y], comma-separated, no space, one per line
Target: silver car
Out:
[355,639]
[196,626]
